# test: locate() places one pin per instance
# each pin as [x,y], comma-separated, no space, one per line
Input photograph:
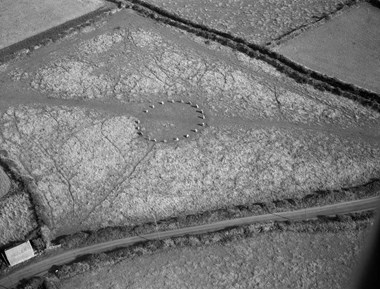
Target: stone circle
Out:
[171,121]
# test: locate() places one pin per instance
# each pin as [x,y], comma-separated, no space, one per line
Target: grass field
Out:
[92,170]
[133,60]
[17,218]
[346,47]
[256,21]
[267,137]
[25,19]
[5,183]
[65,148]
[267,260]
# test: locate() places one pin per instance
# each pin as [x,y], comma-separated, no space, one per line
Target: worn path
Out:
[72,111]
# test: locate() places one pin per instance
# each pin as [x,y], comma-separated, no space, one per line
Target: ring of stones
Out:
[171,120]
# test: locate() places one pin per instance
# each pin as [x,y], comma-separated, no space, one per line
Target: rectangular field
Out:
[22,19]
[255,21]
[346,47]
[268,260]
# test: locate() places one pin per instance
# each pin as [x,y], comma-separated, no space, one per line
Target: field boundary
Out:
[143,243]
[318,198]
[375,3]
[53,34]
[283,64]
[319,21]
[25,185]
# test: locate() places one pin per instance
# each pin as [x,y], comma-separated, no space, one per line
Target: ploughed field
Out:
[345,47]
[76,117]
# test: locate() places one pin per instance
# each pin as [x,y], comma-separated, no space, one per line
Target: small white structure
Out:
[19,253]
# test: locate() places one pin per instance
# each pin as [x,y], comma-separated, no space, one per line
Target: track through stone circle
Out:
[171,121]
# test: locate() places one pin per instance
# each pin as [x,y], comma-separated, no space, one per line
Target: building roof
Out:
[19,253]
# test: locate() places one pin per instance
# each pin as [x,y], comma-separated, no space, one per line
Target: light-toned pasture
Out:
[267,138]
[258,21]
[346,47]
[22,19]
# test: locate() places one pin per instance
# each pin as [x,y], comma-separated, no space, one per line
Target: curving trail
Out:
[42,267]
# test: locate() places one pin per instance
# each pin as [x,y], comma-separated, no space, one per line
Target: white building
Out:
[19,253]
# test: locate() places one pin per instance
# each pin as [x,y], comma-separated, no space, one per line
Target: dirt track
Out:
[110,74]
[274,138]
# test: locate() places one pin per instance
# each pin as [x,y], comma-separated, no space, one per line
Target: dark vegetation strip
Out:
[375,3]
[52,34]
[283,64]
[318,198]
[353,222]
[23,185]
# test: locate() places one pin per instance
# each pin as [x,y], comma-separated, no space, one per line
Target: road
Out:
[41,267]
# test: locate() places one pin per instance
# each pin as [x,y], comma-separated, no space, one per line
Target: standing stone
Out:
[5,183]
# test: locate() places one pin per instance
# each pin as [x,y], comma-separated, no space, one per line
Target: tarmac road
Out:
[42,267]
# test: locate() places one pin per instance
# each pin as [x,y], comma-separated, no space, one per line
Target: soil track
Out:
[43,266]
[19,93]
[370,135]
